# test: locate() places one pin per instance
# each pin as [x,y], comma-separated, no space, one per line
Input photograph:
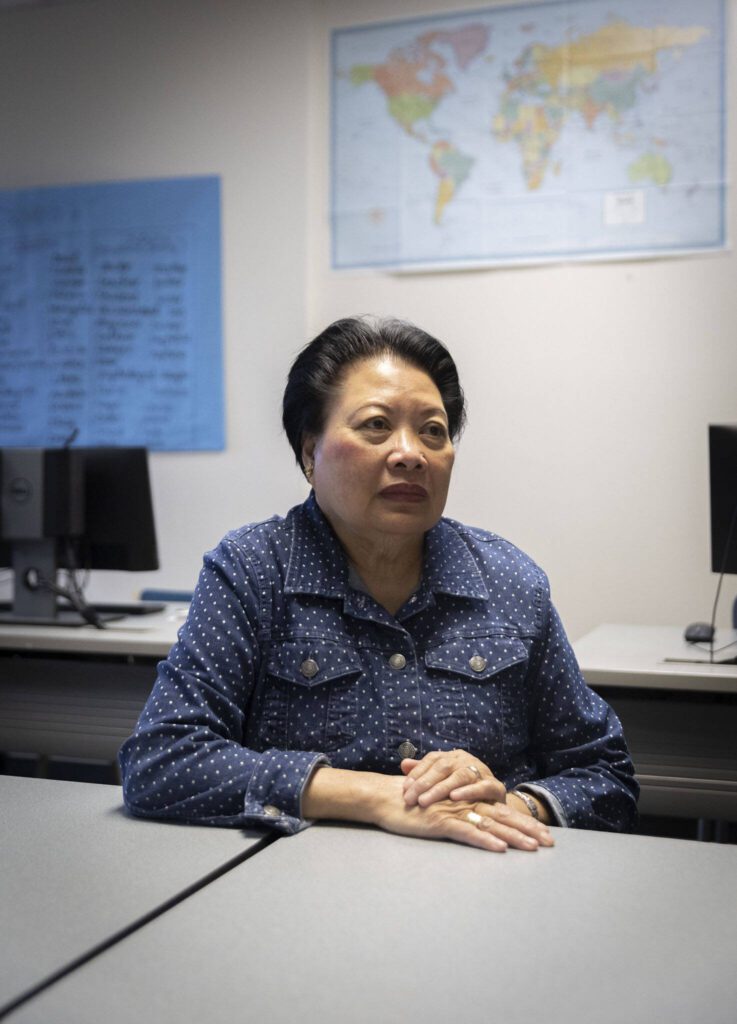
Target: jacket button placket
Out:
[402,700]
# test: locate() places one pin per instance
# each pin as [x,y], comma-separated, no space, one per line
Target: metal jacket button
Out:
[406,749]
[397,661]
[271,811]
[309,668]
[477,663]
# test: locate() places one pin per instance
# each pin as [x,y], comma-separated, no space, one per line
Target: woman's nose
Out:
[407,452]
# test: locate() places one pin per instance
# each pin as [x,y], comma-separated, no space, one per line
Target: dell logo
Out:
[20,490]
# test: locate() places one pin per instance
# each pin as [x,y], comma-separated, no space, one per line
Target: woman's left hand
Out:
[450,774]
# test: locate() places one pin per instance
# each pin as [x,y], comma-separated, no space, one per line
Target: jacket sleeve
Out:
[186,759]
[584,768]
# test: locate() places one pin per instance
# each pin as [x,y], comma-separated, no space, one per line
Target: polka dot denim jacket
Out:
[285,662]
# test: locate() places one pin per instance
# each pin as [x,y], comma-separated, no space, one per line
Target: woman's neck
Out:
[390,567]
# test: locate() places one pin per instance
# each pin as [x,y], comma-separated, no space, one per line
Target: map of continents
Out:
[532,132]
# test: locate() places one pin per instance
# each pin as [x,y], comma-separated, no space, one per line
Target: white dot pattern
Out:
[283,664]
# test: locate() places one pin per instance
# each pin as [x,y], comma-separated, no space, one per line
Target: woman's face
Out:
[383,461]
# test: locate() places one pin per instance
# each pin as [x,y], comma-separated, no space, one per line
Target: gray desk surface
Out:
[138,635]
[76,869]
[634,657]
[344,923]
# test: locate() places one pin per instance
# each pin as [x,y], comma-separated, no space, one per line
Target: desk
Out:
[77,692]
[137,636]
[344,923]
[76,870]
[680,719]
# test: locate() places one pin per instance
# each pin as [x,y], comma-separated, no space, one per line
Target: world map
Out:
[559,130]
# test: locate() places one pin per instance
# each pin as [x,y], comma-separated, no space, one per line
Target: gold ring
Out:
[474,818]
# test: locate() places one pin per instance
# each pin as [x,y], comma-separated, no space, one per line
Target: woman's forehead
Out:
[386,377]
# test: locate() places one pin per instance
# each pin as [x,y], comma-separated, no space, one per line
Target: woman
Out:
[365,659]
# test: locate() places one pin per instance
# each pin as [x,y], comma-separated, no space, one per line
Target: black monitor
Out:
[75,509]
[723,492]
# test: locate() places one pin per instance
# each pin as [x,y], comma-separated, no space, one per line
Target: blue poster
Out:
[110,319]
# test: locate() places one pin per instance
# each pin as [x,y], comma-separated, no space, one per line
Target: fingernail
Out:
[530,843]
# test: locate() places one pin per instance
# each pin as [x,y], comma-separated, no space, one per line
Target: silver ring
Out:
[475,770]
[474,818]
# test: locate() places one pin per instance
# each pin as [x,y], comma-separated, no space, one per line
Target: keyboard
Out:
[129,608]
[120,610]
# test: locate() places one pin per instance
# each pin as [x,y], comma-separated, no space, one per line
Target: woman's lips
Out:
[404,492]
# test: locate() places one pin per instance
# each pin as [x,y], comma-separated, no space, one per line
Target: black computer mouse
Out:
[699,633]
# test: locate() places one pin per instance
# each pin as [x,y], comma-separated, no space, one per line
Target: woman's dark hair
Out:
[317,371]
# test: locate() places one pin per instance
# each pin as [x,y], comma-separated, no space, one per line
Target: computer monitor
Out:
[75,509]
[723,491]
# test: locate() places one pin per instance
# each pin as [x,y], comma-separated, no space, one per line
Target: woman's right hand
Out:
[345,795]
[493,827]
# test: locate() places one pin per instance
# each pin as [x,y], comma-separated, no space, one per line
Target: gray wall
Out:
[590,386]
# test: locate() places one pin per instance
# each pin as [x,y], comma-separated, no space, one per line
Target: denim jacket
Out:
[284,663]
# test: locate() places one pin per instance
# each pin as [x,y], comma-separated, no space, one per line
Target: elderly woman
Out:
[366,659]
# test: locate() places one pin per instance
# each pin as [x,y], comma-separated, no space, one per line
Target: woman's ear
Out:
[308,455]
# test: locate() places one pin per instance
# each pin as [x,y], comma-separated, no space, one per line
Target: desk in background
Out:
[77,692]
[77,870]
[347,923]
[680,718]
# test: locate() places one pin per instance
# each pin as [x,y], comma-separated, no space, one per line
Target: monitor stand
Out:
[35,603]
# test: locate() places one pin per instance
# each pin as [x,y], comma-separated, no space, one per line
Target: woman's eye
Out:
[376,423]
[436,430]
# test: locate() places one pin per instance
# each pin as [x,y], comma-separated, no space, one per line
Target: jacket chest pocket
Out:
[310,696]
[477,694]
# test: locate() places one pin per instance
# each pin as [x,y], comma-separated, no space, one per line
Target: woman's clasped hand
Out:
[449,773]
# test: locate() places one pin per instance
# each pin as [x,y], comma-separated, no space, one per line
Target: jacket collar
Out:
[317,562]
[318,565]
[450,568]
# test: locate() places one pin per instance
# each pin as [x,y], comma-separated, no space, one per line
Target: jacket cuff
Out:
[274,793]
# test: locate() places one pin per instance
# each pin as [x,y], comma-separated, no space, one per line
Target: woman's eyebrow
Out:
[428,410]
[373,404]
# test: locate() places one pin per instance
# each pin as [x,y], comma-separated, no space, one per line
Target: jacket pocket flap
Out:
[476,658]
[312,662]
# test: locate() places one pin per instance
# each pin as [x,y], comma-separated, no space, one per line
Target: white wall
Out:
[590,387]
